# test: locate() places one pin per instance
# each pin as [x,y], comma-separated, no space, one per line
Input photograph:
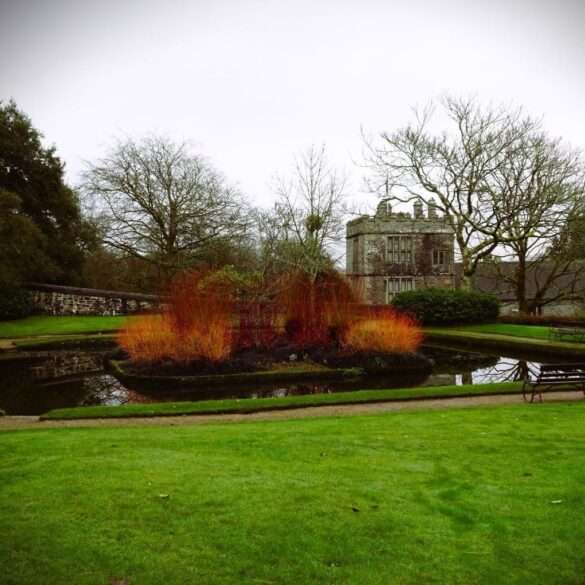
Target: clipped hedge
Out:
[437,306]
[544,321]
[15,303]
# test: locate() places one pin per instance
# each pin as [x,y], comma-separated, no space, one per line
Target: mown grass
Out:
[88,340]
[461,496]
[49,325]
[248,405]
[530,331]
[502,338]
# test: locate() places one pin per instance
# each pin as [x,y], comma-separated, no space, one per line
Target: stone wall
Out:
[561,309]
[65,300]
[63,364]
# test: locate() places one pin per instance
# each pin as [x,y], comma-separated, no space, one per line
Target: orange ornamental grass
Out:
[385,331]
[196,326]
[147,339]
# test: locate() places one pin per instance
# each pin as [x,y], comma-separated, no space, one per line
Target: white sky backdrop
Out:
[251,82]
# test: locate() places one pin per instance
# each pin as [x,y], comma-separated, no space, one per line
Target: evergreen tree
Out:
[36,198]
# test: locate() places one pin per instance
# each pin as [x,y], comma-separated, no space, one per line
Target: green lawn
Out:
[50,342]
[247,405]
[48,325]
[504,336]
[533,331]
[464,496]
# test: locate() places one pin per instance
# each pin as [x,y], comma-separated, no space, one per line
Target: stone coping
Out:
[93,292]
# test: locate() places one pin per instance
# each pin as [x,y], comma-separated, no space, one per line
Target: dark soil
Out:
[467,358]
[374,362]
[238,364]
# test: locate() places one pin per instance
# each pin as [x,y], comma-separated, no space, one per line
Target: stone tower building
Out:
[395,252]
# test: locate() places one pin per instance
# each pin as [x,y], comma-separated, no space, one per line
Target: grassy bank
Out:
[248,405]
[506,337]
[87,341]
[514,330]
[41,325]
[449,497]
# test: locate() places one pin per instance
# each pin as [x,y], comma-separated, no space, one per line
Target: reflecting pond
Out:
[34,384]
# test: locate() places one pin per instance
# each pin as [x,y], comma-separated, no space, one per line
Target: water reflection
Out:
[62,364]
[106,389]
[505,370]
[59,379]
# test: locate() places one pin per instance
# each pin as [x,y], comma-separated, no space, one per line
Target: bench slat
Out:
[550,375]
[566,376]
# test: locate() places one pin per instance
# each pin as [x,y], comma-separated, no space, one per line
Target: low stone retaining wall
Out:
[67,300]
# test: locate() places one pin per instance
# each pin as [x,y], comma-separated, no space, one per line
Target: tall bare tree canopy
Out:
[163,204]
[307,220]
[455,168]
[539,192]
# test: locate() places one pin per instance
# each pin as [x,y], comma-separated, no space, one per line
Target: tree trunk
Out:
[523,305]
[466,273]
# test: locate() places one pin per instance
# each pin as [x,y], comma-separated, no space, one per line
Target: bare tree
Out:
[307,219]
[453,169]
[537,191]
[161,203]
[278,252]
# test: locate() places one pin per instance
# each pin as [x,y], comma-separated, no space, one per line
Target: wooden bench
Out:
[570,333]
[550,376]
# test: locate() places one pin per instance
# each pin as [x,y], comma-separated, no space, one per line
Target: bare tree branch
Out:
[162,204]
[455,169]
[307,219]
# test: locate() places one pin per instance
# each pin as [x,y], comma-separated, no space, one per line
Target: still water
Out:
[35,384]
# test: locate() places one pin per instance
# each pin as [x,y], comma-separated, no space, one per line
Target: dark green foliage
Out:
[435,306]
[14,303]
[21,243]
[544,320]
[39,212]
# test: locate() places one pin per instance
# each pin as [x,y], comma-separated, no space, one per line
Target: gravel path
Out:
[32,422]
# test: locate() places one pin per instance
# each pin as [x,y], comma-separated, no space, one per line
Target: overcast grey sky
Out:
[250,82]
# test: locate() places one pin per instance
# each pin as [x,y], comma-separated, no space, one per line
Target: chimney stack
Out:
[432,209]
[418,210]
[384,209]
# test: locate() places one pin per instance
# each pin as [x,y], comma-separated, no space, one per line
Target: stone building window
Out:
[399,249]
[441,258]
[393,286]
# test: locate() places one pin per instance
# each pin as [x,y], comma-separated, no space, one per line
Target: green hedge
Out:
[15,303]
[435,306]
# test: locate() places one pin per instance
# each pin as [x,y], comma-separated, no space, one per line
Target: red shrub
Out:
[201,321]
[316,310]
